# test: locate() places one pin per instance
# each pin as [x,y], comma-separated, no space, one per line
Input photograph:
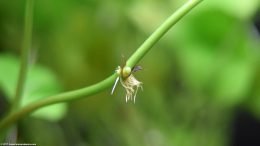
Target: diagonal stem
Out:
[108,82]
[63,97]
[160,32]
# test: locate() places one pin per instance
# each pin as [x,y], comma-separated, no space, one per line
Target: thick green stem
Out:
[26,45]
[160,32]
[96,88]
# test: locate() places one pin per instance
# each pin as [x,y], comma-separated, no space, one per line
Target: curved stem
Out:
[63,97]
[27,39]
[160,32]
[108,82]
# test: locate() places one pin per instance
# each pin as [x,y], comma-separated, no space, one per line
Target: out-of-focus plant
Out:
[18,111]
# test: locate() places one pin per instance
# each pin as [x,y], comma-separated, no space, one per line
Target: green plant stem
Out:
[26,45]
[108,82]
[63,97]
[160,32]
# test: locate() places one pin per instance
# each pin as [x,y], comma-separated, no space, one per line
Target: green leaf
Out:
[198,65]
[243,10]
[216,51]
[233,83]
[8,74]
[40,83]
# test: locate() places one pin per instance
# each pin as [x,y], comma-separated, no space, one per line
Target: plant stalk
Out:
[160,32]
[26,45]
[108,82]
[63,97]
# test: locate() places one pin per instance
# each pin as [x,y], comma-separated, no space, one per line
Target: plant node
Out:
[128,81]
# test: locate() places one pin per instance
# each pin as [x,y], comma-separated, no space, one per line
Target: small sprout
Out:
[126,72]
[128,81]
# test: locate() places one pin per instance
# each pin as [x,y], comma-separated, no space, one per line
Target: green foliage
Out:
[41,83]
[243,10]
[194,79]
[216,54]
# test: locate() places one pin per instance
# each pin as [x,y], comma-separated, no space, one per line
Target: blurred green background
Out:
[196,79]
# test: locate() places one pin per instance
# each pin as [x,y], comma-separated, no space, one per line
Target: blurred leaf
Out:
[52,112]
[209,27]
[147,15]
[40,83]
[8,74]
[198,65]
[215,52]
[233,83]
[243,9]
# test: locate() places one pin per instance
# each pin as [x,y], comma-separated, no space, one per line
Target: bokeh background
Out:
[201,81]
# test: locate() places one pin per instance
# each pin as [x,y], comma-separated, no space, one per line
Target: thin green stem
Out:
[108,82]
[26,45]
[63,97]
[160,32]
